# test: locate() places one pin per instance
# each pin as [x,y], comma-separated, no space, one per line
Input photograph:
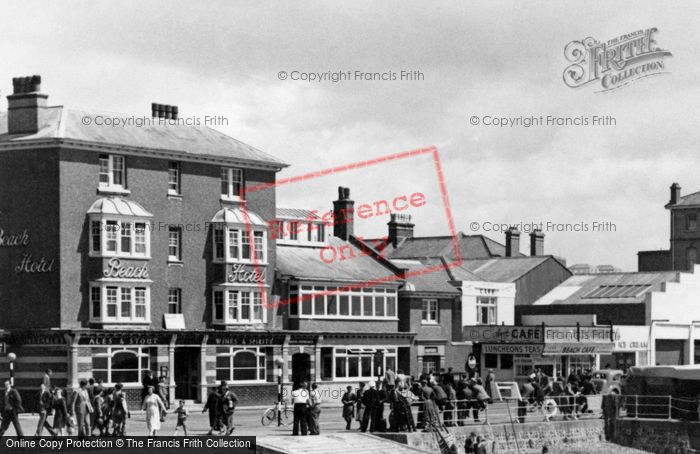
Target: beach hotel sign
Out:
[616,62]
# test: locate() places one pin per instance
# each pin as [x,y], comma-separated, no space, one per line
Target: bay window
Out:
[241,364]
[119,302]
[321,301]
[234,244]
[237,306]
[119,238]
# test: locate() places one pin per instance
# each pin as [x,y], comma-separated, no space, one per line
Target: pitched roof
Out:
[296,213]
[686,201]
[304,262]
[436,281]
[196,141]
[470,247]
[611,288]
[498,269]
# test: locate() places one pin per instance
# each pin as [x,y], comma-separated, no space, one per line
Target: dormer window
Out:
[231,183]
[112,173]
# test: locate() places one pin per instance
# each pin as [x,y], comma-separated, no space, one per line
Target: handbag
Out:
[162,416]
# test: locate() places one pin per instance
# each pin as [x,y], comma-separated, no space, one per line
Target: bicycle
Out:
[285,413]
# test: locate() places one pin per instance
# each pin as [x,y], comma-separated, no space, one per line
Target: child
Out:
[182,415]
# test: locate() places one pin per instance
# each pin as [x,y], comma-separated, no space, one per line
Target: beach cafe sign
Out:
[540,334]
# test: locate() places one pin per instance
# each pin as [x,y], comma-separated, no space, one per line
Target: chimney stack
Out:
[512,242]
[343,214]
[400,227]
[675,193]
[536,243]
[165,111]
[26,106]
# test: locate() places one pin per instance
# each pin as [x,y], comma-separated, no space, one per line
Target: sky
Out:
[483,59]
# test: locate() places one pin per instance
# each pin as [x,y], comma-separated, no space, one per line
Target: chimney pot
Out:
[175,112]
[536,243]
[400,227]
[675,193]
[26,106]
[512,242]
[168,111]
[343,214]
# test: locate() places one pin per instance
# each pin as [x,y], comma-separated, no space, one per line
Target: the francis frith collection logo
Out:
[614,63]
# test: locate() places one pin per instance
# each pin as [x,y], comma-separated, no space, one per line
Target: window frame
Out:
[227,179]
[177,258]
[306,296]
[110,171]
[141,353]
[243,296]
[491,306]
[174,178]
[174,299]
[231,352]
[239,232]
[430,306]
[105,289]
[351,351]
[99,225]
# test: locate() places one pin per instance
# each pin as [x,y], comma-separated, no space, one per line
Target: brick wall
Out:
[657,436]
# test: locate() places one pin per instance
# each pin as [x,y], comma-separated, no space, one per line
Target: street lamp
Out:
[12,357]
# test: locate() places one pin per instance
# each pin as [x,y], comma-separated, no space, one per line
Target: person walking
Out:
[47,378]
[401,417]
[300,400]
[60,412]
[162,391]
[44,408]
[120,411]
[182,415]
[480,398]
[11,405]
[314,410]
[449,413]
[371,400]
[212,405]
[389,380]
[349,400]
[98,416]
[360,408]
[490,385]
[81,408]
[431,414]
[229,400]
[147,381]
[154,407]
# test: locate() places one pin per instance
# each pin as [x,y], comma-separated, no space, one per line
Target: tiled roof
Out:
[296,213]
[688,200]
[470,247]
[499,269]
[436,281]
[303,262]
[597,288]
[197,141]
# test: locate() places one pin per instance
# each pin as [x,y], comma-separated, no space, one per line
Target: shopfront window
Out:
[120,365]
[240,364]
[322,301]
[357,362]
[234,306]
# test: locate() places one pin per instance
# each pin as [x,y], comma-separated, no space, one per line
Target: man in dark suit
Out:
[11,405]
[81,408]
[44,406]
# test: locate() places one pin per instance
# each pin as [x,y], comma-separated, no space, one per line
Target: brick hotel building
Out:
[125,249]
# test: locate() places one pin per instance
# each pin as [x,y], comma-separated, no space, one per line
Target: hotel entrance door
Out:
[187,373]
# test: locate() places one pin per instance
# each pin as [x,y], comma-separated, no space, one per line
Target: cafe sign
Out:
[245,274]
[503,334]
[115,269]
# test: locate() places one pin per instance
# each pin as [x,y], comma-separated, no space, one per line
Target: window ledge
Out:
[112,190]
[423,323]
[173,196]
[97,255]
[172,262]
[106,324]
[226,198]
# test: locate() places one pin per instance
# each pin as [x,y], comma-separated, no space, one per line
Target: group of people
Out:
[569,394]
[307,409]
[221,405]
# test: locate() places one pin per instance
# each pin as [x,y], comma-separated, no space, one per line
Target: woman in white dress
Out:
[154,407]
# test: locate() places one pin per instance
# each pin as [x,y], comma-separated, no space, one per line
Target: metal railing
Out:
[658,407]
